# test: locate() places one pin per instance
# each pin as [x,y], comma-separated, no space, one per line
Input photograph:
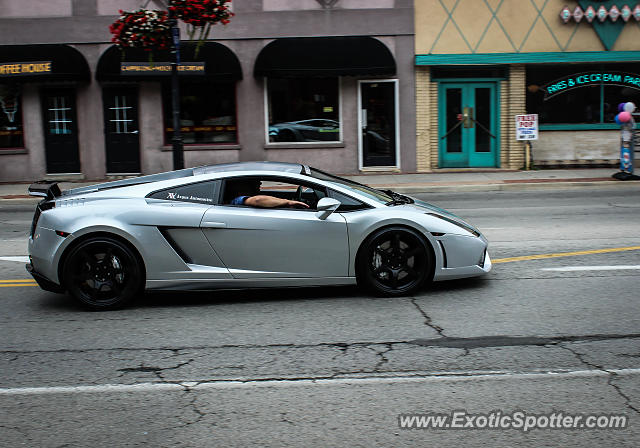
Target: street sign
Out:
[527,127]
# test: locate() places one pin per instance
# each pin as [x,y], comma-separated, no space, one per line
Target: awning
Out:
[220,63]
[325,56]
[42,63]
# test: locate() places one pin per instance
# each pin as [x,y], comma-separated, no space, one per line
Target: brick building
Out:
[481,62]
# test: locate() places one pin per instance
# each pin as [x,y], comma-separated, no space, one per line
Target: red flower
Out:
[131,29]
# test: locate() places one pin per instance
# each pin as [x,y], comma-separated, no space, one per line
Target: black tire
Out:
[394,261]
[103,273]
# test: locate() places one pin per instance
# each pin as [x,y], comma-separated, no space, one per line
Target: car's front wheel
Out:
[394,261]
[102,273]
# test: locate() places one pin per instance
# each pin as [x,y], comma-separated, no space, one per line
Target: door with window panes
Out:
[122,138]
[378,136]
[60,131]
[468,125]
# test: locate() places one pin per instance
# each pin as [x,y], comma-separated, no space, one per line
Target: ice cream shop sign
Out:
[589,79]
[608,17]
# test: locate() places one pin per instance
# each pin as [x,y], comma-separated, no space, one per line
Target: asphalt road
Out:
[334,366]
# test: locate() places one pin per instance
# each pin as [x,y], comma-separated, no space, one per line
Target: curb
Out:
[519,186]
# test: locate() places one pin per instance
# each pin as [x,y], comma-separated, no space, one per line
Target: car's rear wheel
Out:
[102,273]
[394,261]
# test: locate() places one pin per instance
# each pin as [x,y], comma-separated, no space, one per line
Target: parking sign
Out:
[527,127]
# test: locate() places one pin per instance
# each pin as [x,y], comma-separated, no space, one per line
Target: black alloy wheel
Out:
[395,261]
[103,274]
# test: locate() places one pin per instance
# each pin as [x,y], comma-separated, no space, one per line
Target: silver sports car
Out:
[193,229]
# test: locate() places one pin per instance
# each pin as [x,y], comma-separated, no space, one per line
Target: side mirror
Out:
[326,206]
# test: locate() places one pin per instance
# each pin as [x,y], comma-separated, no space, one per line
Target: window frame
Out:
[269,144]
[261,177]
[362,206]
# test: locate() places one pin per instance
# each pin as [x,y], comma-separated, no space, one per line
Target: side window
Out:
[200,193]
[347,203]
[282,188]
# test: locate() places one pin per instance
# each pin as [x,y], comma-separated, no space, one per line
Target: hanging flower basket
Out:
[201,15]
[146,29]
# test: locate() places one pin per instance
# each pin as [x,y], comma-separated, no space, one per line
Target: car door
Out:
[277,243]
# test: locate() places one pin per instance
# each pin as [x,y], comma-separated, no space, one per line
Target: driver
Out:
[247,193]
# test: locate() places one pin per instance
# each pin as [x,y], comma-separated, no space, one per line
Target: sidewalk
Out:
[435,182]
[491,180]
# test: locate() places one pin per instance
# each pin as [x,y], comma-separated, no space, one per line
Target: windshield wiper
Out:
[398,199]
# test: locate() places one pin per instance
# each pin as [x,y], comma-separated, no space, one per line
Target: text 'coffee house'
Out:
[326,83]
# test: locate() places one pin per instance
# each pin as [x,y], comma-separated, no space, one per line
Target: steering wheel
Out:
[298,196]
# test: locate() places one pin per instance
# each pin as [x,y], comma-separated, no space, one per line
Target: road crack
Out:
[610,379]
[381,354]
[156,370]
[427,320]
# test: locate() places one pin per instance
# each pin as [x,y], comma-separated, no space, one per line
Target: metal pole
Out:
[178,154]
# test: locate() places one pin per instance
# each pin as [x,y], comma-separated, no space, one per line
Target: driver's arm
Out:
[265,201]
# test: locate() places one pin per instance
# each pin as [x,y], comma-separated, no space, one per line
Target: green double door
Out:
[468,125]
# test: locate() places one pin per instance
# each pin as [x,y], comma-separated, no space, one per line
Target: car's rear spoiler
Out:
[47,190]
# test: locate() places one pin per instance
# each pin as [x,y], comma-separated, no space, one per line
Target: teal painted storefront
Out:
[468,123]
[527,58]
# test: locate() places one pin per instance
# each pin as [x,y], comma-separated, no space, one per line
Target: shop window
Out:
[11,133]
[207,113]
[303,110]
[555,95]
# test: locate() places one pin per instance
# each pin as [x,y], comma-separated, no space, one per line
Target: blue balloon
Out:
[618,122]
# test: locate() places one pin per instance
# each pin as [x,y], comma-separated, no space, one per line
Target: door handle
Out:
[213,225]
[467,116]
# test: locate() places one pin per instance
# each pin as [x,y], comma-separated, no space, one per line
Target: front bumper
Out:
[462,256]
[44,282]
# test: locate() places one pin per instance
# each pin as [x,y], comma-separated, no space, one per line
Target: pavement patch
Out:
[511,341]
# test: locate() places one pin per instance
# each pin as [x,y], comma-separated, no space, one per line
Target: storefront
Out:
[207,103]
[329,84]
[307,98]
[477,66]
[307,84]
[38,120]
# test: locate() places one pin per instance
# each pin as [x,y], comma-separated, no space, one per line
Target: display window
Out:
[303,110]
[581,94]
[11,132]
[207,113]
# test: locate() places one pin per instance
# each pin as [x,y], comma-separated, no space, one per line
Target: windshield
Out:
[371,193]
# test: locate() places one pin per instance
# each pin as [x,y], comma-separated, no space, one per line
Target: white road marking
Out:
[236,384]
[19,258]
[593,268]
